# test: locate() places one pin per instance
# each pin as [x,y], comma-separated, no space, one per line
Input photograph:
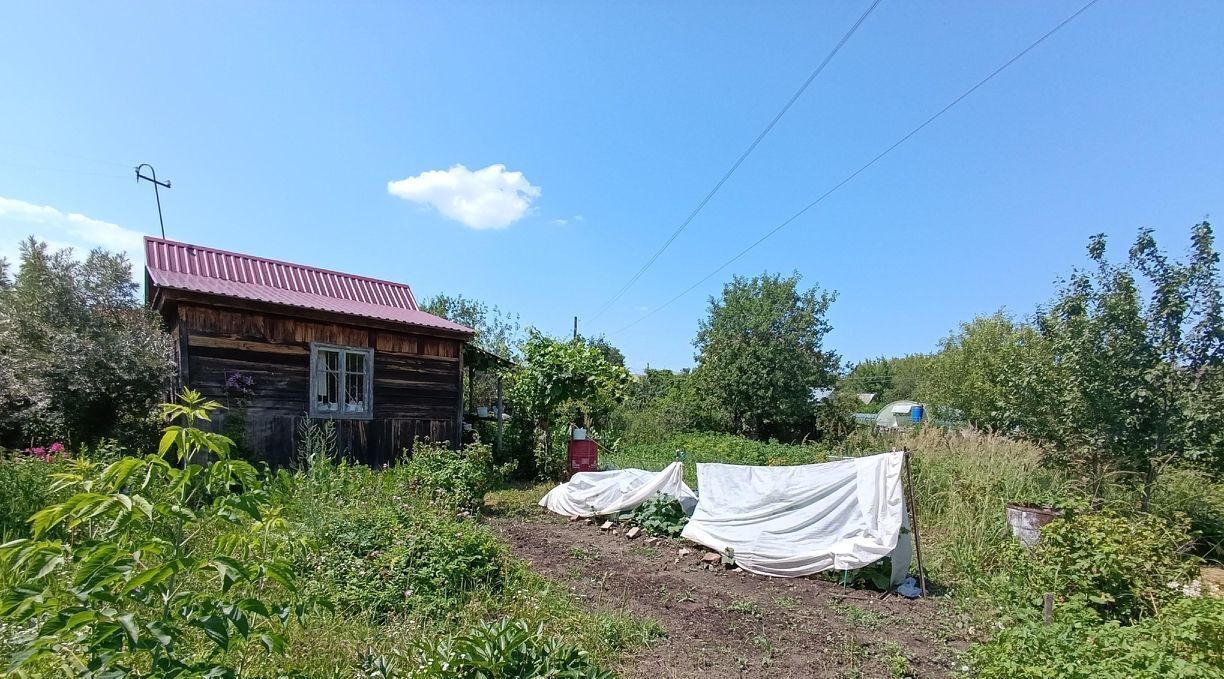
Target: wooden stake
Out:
[1047,609]
[911,503]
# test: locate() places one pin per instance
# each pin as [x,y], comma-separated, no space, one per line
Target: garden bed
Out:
[729,623]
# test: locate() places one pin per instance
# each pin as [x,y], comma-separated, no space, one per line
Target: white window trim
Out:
[340,414]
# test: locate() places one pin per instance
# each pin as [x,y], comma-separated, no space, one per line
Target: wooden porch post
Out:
[499,413]
[471,389]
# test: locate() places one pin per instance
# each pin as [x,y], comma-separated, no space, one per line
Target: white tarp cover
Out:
[793,521]
[600,493]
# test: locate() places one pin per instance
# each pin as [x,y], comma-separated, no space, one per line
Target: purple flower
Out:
[237,384]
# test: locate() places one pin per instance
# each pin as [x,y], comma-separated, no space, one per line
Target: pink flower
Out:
[46,454]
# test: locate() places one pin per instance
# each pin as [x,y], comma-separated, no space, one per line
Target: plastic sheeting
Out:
[610,492]
[794,521]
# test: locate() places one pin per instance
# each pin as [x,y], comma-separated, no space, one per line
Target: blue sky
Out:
[281,125]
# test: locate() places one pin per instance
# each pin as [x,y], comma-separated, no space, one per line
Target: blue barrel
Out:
[916,413]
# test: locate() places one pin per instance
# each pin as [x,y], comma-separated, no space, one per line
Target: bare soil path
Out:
[733,624]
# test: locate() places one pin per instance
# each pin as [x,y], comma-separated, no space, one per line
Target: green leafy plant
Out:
[556,378]
[391,541]
[383,561]
[877,575]
[507,649]
[161,571]
[661,515]
[25,487]
[710,447]
[455,479]
[1184,640]
[1120,568]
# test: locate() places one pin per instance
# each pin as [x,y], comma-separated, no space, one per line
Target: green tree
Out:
[890,379]
[82,358]
[610,352]
[1137,349]
[760,352]
[665,402]
[992,372]
[497,332]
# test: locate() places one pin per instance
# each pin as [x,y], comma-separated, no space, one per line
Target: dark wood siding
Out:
[416,386]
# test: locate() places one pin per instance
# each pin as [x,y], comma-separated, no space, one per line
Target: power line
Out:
[739,161]
[47,151]
[863,168]
[64,170]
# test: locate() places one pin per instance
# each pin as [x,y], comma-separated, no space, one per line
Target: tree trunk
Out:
[1149,484]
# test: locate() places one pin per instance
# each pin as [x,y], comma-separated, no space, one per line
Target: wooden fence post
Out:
[912,504]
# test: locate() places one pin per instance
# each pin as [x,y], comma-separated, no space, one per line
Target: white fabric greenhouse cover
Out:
[610,492]
[793,521]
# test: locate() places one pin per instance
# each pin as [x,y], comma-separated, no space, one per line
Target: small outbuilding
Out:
[279,342]
[897,415]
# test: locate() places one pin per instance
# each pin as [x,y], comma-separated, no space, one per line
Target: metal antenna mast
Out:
[155,193]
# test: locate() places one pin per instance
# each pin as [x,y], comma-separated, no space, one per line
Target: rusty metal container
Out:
[1026,521]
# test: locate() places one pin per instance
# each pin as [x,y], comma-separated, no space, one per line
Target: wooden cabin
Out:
[279,342]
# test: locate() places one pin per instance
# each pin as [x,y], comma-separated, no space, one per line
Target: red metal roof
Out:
[181,266]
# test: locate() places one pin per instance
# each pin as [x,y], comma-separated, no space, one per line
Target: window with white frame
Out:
[341,381]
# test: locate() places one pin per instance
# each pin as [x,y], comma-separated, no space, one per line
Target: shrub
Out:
[501,650]
[83,358]
[1120,568]
[25,487]
[148,579]
[387,542]
[1185,640]
[453,479]
[552,454]
[1194,495]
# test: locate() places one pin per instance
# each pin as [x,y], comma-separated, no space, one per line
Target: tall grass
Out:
[962,481]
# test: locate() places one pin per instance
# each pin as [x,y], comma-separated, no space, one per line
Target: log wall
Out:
[417,379]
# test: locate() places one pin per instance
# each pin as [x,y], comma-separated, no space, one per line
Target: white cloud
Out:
[562,221]
[19,219]
[490,198]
